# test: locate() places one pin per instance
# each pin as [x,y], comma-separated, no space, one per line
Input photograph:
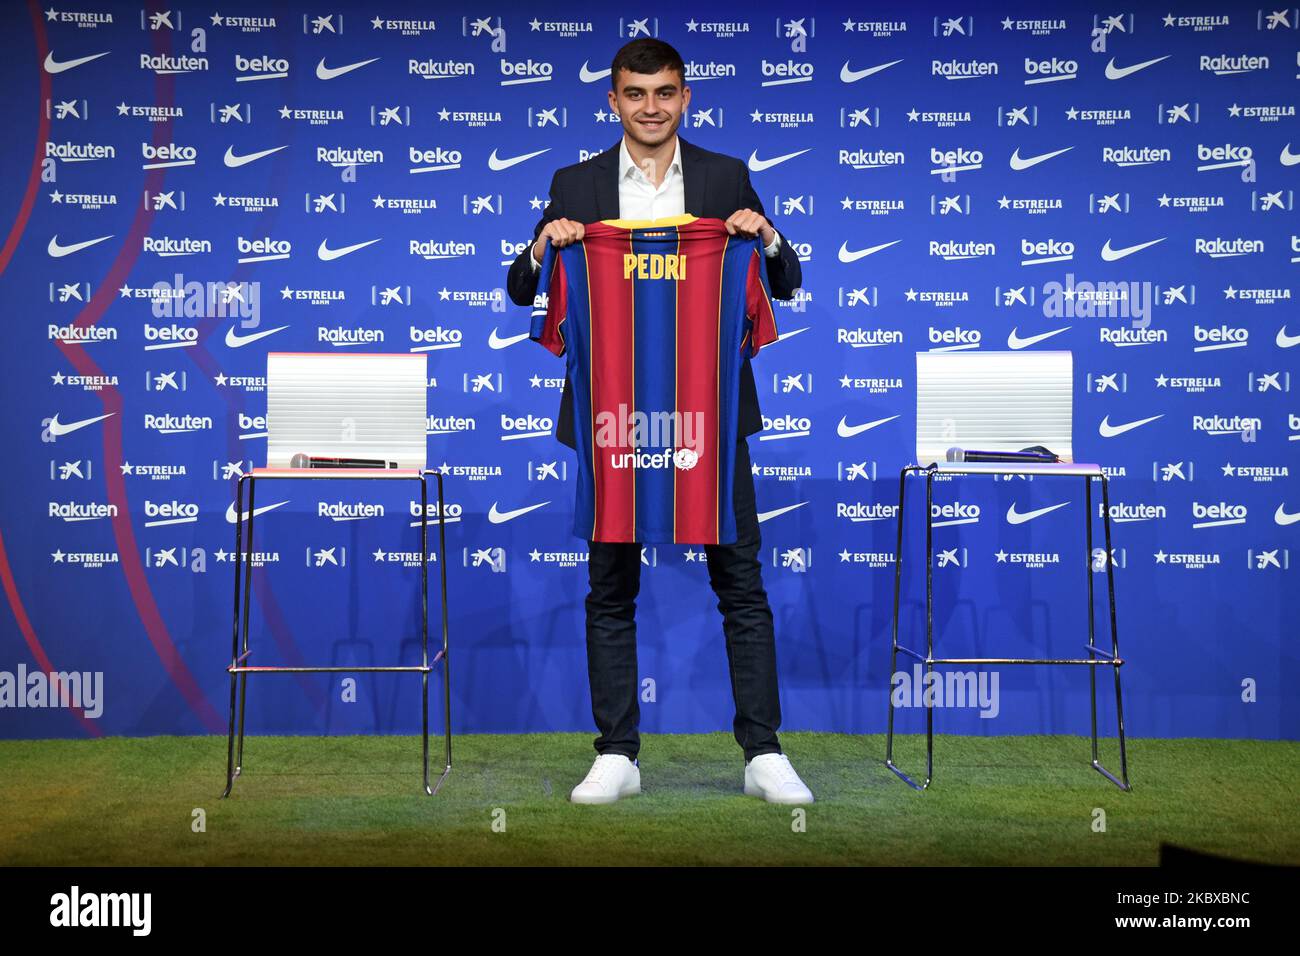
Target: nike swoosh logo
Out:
[232,516]
[58,251]
[785,335]
[497,342]
[591,76]
[234,162]
[764,515]
[501,517]
[1285,341]
[845,430]
[1114,72]
[1019,517]
[1014,341]
[1018,164]
[54,66]
[58,428]
[1281,517]
[235,340]
[1114,255]
[500,164]
[757,165]
[324,72]
[852,76]
[1289,158]
[326,254]
[1107,430]
[847,256]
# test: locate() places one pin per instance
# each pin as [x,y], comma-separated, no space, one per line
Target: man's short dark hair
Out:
[646,55]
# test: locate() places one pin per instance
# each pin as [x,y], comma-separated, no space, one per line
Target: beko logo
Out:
[264,249]
[1046,250]
[170,336]
[436,338]
[791,71]
[786,426]
[1222,157]
[958,160]
[954,513]
[167,155]
[952,340]
[436,159]
[1217,515]
[1050,71]
[260,68]
[1223,337]
[526,71]
[172,512]
[525,426]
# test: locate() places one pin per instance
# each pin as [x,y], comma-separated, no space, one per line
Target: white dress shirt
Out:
[638,198]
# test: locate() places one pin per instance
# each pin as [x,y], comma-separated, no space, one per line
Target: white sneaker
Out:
[771,777]
[611,776]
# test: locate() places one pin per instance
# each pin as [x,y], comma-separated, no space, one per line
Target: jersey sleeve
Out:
[551,303]
[759,315]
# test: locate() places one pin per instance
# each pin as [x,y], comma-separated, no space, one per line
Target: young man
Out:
[652,174]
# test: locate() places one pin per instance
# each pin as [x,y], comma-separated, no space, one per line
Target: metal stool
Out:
[307,396]
[1000,401]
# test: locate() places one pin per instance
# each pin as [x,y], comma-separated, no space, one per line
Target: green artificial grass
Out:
[357,801]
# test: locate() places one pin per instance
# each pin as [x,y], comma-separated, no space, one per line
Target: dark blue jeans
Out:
[735,572]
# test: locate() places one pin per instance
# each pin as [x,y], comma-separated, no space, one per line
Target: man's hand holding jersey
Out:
[561,232]
[747,224]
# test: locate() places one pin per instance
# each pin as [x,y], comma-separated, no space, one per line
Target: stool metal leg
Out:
[234,640]
[929,623]
[1122,781]
[895,648]
[443,654]
[1092,631]
[248,590]
[424,623]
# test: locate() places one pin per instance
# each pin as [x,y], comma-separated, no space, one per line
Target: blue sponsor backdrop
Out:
[188,187]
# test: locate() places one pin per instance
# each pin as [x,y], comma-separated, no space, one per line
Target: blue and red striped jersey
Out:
[655,319]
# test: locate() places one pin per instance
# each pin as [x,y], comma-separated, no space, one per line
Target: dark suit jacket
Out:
[715,186]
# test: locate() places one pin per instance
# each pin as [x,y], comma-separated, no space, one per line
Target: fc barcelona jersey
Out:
[655,319]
